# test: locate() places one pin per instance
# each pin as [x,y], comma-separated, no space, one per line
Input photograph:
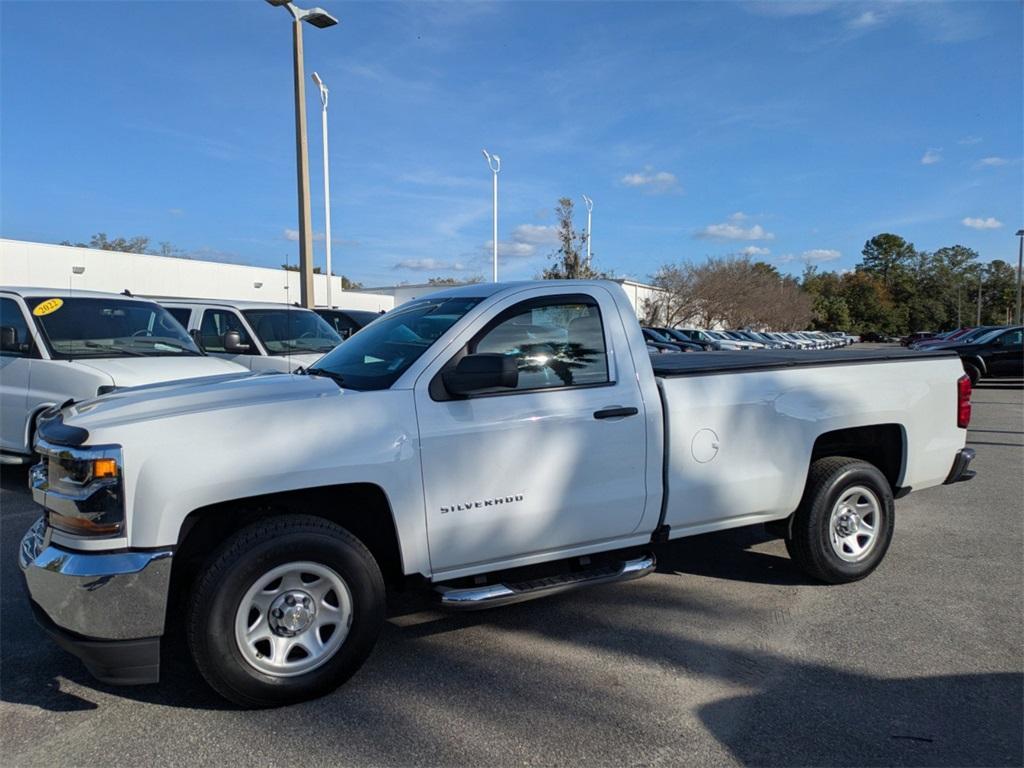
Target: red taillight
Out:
[963,401]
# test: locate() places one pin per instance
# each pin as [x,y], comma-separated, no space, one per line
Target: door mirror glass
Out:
[481,372]
[232,342]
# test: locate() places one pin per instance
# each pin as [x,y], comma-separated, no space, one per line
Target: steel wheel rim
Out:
[854,524]
[284,638]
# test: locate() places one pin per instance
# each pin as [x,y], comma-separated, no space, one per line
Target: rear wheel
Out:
[288,609]
[844,524]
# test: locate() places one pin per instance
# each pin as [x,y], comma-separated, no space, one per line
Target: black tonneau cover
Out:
[704,363]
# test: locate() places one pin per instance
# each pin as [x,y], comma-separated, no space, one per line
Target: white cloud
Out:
[293,235]
[978,223]
[510,249]
[754,250]
[993,162]
[931,156]
[815,255]
[968,140]
[654,182]
[176,211]
[431,265]
[820,254]
[733,230]
[865,20]
[535,234]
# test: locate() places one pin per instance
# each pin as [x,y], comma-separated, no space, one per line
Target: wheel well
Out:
[361,508]
[878,444]
[977,362]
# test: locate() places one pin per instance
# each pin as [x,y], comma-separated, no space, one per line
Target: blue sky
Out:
[792,132]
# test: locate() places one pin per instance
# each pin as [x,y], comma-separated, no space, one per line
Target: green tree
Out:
[886,256]
[568,262]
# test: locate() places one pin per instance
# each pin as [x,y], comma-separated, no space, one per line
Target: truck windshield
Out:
[375,357]
[91,327]
[292,331]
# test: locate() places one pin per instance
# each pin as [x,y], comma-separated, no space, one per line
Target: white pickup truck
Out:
[499,442]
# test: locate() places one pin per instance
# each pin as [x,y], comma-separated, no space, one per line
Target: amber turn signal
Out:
[104,468]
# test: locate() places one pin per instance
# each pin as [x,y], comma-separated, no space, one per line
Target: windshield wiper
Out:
[113,348]
[166,343]
[336,377]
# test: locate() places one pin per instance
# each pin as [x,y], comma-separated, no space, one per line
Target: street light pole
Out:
[590,209]
[318,18]
[327,182]
[494,163]
[980,273]
[1020,263]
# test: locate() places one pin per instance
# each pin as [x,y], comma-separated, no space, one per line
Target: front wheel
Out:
[288,609]
[844,524]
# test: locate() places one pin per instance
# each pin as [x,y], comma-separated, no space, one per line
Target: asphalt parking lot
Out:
[727,655]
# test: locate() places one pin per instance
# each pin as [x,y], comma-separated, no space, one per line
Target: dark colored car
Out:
[906,341]
[679,337]
[996,354]
[944,338]
[346,321]
[656,337]
[874,336]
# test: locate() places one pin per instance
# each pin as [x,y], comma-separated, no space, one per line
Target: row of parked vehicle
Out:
[987,351]
[59,345]
[662,340]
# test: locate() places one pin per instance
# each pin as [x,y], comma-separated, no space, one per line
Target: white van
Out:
[262,336]
[57,345]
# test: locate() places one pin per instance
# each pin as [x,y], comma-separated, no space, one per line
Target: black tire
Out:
[237,565]
[973,373]
[809,544]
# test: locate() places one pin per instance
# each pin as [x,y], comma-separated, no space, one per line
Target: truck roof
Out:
[224,303]
[32,292]
[483,290]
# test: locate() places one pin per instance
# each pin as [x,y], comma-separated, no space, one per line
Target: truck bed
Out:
[706,363]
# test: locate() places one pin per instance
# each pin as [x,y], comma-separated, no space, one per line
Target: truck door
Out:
[217,322]
[557,462]
[1006,354]
[15,364]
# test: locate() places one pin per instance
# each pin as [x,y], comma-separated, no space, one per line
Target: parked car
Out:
[727,342]
[971,335]
[346,321]
[705,337]
[909,339]
[262,336]
[446,444]
[679,336]
[657,337]
[996,354]
[941,338]
[57,346]
[875,337]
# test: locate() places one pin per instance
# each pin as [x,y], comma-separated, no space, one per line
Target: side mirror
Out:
[232,342]
[8,339]
[476,373]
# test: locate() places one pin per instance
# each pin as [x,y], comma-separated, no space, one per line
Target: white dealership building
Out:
[63,266]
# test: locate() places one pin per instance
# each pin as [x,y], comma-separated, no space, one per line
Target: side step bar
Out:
[493,595]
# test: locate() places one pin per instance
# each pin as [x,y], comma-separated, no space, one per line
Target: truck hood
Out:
[133,371]
[231,391]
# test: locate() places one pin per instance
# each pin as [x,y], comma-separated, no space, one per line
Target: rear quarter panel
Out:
[765,423]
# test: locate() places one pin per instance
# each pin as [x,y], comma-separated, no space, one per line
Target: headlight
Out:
[80,489]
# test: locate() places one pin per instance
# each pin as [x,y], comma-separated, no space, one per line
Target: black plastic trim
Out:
[50,427]
[116,662]
[960,472]
[710,363]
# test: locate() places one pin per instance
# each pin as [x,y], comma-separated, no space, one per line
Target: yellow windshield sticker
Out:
[47,307]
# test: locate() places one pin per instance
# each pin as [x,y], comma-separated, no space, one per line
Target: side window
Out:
[555,345]
[1011,339]
[217,322]
[181,314]
[14,337]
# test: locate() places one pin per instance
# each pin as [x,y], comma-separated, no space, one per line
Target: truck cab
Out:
[262,336]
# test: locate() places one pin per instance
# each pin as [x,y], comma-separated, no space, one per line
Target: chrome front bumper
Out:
[98,595]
